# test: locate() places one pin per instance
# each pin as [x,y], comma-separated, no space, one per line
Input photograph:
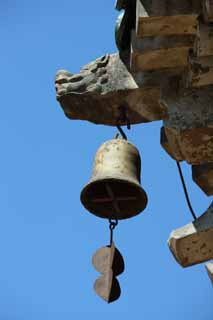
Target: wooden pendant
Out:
[109,262]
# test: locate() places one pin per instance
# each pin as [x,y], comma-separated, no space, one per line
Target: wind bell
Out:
[114,193]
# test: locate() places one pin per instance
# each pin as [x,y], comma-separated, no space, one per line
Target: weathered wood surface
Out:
[193,243]
[169,8]
[102,87]
[167,25]
[195,146]
[200,72]
[170,147]
[203,176]
[160,59]
[160,42]
[188,126]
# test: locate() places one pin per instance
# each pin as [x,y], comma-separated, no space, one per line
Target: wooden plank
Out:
[204,42]
[167,25]
[160,42]
[159,59]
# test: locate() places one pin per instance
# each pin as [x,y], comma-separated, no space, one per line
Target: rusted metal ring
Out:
[113,223]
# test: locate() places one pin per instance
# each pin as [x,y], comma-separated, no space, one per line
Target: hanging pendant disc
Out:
[108,261]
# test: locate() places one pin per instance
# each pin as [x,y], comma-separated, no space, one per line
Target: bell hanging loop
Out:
[123,117]
[114,191]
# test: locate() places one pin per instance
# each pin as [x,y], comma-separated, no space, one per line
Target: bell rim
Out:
[119,216]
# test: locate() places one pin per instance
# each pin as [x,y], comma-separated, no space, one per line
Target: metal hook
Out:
[123,118]
[112,225]
[121,132]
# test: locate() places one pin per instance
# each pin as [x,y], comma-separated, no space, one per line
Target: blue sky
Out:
[47,239]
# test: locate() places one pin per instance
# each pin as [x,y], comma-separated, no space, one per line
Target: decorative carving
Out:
[101,88]
[92,78]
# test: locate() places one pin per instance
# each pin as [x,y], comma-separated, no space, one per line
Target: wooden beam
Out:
[167,25]
[160,59]
[160,42]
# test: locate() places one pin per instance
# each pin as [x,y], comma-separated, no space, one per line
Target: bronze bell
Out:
[114,190]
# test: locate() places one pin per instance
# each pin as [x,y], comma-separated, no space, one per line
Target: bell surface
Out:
[114,190]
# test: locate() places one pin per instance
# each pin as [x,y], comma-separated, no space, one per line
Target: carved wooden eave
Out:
[104,86]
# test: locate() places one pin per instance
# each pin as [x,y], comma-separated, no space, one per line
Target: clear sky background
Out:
[47,239]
